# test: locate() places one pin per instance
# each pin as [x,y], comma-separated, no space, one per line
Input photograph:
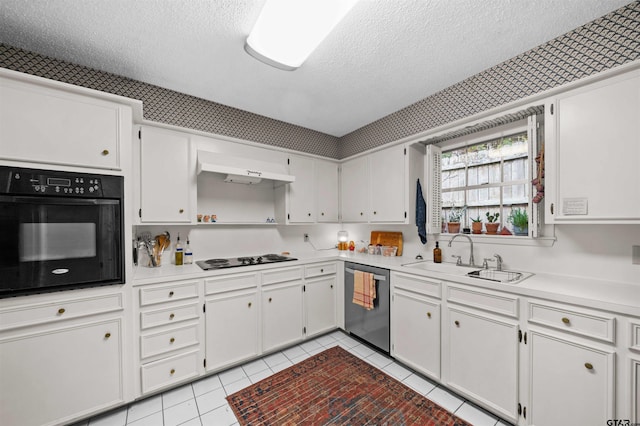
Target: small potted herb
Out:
[491,225]
[520,220]
[455,216]
[476,225]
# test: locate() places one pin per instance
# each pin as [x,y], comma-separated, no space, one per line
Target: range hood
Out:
[242,170]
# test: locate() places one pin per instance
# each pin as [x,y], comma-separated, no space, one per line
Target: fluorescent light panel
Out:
[287,31]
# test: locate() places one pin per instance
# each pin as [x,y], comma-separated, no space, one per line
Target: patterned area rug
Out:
[335,388]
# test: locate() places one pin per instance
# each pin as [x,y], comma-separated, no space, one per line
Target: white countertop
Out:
[616,297]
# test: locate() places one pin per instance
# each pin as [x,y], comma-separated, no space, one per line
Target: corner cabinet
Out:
[43,124]
[593,151]
[381,187]
[167,176]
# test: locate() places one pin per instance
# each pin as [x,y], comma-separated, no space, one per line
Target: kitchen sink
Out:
[499,276]
[445,268]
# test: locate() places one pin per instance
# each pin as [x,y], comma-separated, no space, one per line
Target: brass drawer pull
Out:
[588,366]
[249,304]
[457,323]
[172,340]
[331,285]
[173,371]
[105,152]
[61,311]
[172,316]
[171,294]
[428,314]
[181,210]
[107,335]
[321,271]
[269,300]
[566,320]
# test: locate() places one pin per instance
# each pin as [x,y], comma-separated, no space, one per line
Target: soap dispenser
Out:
[437,254]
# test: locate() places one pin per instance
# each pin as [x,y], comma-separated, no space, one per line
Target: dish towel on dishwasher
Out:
[421,214]
[364,289]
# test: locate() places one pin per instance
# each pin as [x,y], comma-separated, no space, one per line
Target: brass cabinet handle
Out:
[588,366]
[173,371]
[322,214]
[107,335]
[172,316]
[269,300]
[375,212]
[331,285]
[428,314]
[105,152]
[361,213]
[249,304]
[171,294]
[551,208]
[172,340]
[321,270]
[61,311]
[457,323]
[181,210]
[309,214]
[566,320]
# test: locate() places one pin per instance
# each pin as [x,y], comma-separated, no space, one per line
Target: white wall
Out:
[600,251]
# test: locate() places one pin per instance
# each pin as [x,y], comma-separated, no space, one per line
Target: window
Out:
[491,177]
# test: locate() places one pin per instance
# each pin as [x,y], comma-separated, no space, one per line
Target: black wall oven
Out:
[59,230]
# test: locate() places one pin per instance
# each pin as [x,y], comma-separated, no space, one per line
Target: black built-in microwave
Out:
[59,230]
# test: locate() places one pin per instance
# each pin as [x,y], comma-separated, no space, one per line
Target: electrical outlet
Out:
[635,255]
[306,238]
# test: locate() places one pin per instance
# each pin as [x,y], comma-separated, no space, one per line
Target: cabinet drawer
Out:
[577,321]
[57,311]
[282,275]
[167,293]
[169,315]
[493,302]
[320,269]
[417,284]
[169,371]
[170,340]
[224,283]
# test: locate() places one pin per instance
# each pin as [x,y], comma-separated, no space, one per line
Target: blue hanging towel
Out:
[421,214]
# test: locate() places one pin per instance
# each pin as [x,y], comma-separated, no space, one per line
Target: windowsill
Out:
[507,240]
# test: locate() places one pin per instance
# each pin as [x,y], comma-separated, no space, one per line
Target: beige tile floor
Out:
[203,403]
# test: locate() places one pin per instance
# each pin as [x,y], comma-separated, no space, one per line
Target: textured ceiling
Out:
[384,56]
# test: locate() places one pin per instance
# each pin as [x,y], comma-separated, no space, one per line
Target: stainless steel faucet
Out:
[498,262]
[471,260]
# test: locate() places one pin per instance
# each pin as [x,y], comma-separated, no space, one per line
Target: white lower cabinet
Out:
[483,359]
[231,327]
[281,315]
[570,382]
[63,368]
[320,305]
[415,323]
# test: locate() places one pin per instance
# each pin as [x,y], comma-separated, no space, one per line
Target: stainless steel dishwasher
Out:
[372,326]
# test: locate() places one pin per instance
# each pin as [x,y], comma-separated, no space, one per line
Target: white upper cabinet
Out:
[387,185]
[301,194]
[354,197]
[326,185]
[167,176]
[46,125]
[593,152]
[380,187]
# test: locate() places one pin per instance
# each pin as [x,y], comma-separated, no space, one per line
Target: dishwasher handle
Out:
[375,277]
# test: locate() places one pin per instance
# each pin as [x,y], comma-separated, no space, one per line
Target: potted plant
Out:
[454,219]
[476,225]
[491,225]
[520,220]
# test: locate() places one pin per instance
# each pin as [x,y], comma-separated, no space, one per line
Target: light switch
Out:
[635,255]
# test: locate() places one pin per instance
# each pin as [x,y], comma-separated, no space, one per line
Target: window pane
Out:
[516,194]
[516,169]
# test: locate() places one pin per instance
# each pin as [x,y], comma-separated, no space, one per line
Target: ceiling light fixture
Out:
[287,31]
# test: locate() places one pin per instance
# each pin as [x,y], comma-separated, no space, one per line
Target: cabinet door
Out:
[570,383]
[53,376]
[354,196]
[231,328]
[320,305]
[166,176]
[483,359]
[592,163]
[386,180]
[45,125]
[415,326]
[326,191]
[281,315]
[301,196]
